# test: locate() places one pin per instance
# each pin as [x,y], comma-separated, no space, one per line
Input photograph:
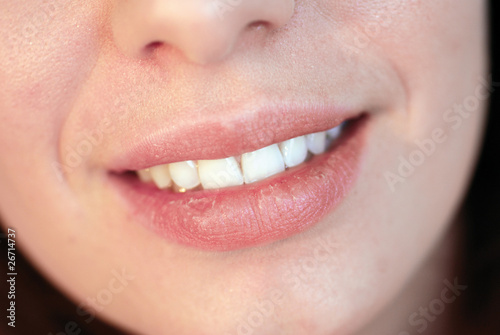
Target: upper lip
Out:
[231,134]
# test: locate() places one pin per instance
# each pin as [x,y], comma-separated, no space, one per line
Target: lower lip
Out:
[249,215]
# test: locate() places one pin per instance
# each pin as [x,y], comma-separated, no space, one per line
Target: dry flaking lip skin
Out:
[252,214]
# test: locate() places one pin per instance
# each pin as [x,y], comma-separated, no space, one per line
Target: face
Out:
[91,92]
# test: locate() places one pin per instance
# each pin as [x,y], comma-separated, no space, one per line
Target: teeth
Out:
[185,174]
[294,151]
[220,173]
[145,175]
[316,143]
[262,163]
[161,176]
[255,166]
[334,133]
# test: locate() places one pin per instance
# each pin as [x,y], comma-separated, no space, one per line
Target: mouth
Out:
[221,202]
[248,168]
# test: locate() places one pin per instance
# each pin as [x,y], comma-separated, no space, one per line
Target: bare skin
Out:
[68,66]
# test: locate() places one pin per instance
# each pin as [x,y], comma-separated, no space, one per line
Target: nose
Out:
[203,31]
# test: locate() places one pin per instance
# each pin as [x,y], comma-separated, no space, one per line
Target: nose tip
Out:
[203,31]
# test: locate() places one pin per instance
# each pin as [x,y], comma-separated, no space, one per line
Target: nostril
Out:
[144,28]
[254,25]
[154,45]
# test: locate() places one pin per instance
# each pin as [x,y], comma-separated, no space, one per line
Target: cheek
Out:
[439,50]
[50,49]
[443,64]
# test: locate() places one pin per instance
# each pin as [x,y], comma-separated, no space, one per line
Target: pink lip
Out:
[248,215]
[224,134]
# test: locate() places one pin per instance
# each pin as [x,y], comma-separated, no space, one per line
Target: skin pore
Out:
[121,68]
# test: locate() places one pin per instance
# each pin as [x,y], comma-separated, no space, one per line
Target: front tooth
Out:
[262,163]
[161,176]
[185,174]
[316,143]
[294,151]
[334,133]
[219,173]
[145,175]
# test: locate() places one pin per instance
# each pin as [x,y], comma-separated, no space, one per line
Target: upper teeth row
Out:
[247,168]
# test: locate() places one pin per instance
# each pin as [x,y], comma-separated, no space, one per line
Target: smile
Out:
[248,168]
[259,193]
